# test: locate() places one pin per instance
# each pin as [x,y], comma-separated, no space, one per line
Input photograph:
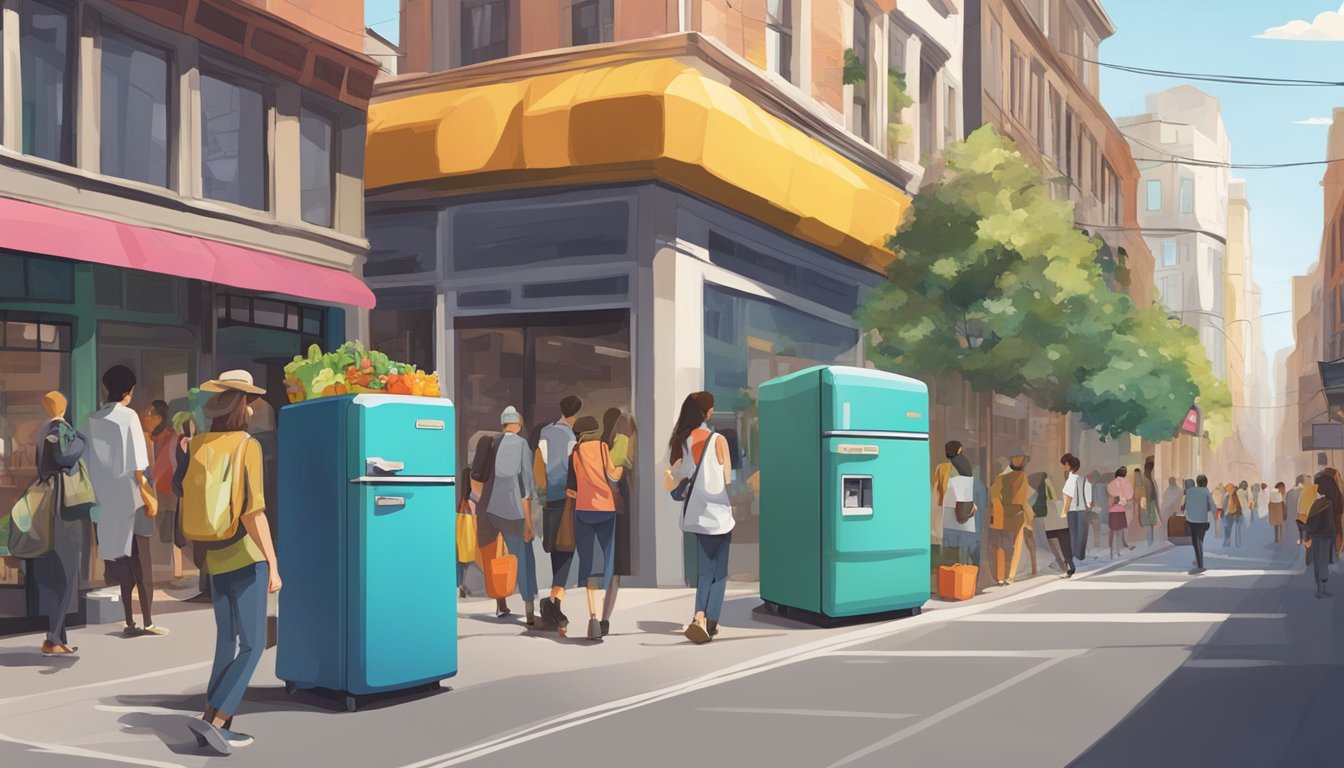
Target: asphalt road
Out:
[1145,665]
[1138,665]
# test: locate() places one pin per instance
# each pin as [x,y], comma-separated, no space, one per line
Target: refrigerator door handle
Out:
[390,501]
[399,480]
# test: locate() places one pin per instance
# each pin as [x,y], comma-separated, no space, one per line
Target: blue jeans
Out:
[711,573]
[240,633]
[527,566]
[599,527]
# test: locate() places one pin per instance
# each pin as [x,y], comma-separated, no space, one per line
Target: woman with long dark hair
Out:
[1321,528]
[699,456]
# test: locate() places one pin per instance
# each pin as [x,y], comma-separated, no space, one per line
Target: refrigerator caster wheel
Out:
[916,611]
[291,688]
[350,704]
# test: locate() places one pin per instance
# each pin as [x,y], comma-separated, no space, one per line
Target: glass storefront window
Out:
[135,105]
[36,279]
[34,359]
[46,65]
[749,341]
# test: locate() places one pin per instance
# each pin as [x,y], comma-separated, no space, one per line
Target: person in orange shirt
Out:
[591,475]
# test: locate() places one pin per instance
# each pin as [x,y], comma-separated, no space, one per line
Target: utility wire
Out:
[1212,77]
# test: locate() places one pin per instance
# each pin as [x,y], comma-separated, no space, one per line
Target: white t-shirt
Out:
[709,510]
[1078,502]
[959,488]
[116,452]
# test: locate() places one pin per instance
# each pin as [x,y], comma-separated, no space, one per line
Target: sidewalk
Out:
[129,699]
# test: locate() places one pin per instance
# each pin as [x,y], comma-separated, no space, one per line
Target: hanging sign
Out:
[1193,421]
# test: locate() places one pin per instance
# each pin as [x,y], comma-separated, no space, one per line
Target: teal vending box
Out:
[844,493]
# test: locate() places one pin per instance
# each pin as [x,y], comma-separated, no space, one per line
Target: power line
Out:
[1214,78]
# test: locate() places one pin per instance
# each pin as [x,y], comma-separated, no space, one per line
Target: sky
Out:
[1222,37]
[1263,123]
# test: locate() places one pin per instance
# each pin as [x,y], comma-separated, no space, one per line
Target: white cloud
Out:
[1315,121]
[1327,26]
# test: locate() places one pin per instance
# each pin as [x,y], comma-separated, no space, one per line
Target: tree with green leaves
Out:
[993,282]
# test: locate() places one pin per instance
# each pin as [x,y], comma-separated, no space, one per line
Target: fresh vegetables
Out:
[352,368]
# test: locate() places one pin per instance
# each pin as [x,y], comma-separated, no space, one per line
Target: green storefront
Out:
[63,322]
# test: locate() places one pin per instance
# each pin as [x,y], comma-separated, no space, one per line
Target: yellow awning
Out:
[659,119]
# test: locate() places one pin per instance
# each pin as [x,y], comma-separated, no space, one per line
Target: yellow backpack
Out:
[212,491]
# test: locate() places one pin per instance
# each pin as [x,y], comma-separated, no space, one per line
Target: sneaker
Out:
[53,649]
[606,628]
[131,631]
[154,630]
[548,621]
[235,739]
[209,737]
[697,634]
[713,627]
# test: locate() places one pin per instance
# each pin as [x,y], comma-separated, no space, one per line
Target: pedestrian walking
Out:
[1078,501]
[1278,511]
[1172,496]
[1304,502]
[186,426]
[60,451]
[1253,509]
[1198,512]
[118,462]
[504,471]
[1008,498]
[1238,501]
[1290,501]
[1120,492]
[1049,511]
[954,493]
[700,467]
[1150,515]
[467,497]
[1321,529]
[553,450]
[243,567]
[590,482]
[620,435]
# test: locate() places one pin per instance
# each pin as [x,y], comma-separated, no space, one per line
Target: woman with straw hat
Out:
[243,569]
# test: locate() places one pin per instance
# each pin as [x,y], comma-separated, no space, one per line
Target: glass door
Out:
[34,360]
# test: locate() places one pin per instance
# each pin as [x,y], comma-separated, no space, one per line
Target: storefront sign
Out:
[1193,421]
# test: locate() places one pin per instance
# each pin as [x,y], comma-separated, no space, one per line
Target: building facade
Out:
[1028,74]
[181,191]
[1184,215]
[1248,454]
[633,201]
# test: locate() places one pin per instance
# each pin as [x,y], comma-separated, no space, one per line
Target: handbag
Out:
[683,490]
[564,533]
[32,521]
[466,534]
[500,569]
[76,489]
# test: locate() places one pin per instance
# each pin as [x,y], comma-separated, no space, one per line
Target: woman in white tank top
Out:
[699,457]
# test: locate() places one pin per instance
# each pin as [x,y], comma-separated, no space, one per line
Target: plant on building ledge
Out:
[898,99]
[856,72]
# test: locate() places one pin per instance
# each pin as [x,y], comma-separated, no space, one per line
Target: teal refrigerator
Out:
[845,494]
[367,545]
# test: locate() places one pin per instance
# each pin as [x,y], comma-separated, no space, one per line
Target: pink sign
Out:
[1190,425]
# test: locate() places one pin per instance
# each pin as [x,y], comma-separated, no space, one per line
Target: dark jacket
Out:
[1321,520]
[60,451]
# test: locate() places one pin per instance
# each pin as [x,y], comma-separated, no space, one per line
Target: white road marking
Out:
[1216,573]
[805,713]
[951,711]
[1106,586]
[1231,663]
[1118,618]
[147,710]
[989,654]
[105,683]
[61,749]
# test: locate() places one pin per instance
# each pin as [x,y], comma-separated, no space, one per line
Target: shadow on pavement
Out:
[52,664]
[1257,692]
[172,730]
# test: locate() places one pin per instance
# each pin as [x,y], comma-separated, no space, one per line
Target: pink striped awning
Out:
[51,231]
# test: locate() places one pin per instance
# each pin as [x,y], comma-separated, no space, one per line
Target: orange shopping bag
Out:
[500,569]
[957,582]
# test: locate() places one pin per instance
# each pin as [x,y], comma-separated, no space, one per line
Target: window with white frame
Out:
[317,166]
[48,74]
[863,51]
[1154,194]
[779,38]
[1169,253]
[993,66]
[1187,195]
[136,100]
[950,126]
[234,163]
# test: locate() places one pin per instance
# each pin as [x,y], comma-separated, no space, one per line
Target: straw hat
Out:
[235,381]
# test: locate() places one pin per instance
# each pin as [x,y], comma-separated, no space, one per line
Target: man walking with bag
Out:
[506,501]
[553,450]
